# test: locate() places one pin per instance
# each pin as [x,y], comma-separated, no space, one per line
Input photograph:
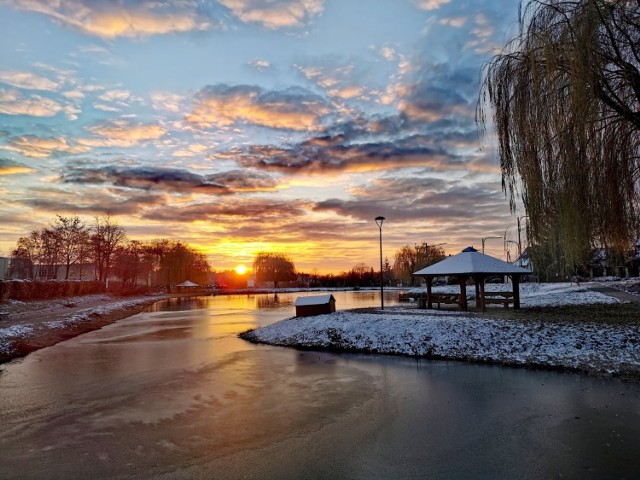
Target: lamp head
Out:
[379,221]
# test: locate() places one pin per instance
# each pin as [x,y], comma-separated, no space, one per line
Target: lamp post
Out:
[379,221]
[519,242]
[486,238]
[506,244]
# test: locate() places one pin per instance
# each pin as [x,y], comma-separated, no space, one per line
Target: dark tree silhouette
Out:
[565,100]
[273,267]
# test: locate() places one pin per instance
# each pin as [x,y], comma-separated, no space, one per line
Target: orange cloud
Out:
[119,133]
[290,109]
[275,14]
[42,147]
[27,80]
[117,19]
[430,4]
[7,167]
[12,102]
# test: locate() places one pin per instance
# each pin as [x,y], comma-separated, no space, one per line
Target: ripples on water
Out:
[173,393]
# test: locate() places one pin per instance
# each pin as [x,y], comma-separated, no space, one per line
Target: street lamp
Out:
[519,242]
[506,246]
[486,238]
[379,221]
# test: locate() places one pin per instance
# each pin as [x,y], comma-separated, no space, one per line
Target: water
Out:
[173,393]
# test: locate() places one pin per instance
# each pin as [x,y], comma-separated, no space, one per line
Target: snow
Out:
[10,335]
[447,334]
[536,294]
[471,262]
[313,300]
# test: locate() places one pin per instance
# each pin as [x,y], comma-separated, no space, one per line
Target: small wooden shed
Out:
[315,305]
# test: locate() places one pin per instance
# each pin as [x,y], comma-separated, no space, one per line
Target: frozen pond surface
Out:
[173,393]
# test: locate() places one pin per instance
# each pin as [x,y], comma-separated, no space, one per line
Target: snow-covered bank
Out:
[24,330]
[582,346]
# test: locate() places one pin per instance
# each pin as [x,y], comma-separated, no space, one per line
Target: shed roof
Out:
[314,300]
[187,283]
[472,262]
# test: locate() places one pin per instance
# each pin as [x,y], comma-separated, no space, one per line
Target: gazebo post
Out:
[480,297]
[515,280]
[463,292]
[477,285]
[429,303]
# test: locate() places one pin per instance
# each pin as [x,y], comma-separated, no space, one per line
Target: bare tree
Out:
[25,256]
[565,99]
[106,237]
[72,237]
[50,253]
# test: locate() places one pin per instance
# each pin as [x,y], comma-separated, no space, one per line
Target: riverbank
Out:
[562,326]
[29,326]
[567,326]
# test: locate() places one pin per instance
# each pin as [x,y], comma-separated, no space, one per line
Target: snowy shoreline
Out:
[594,348]
[45,323]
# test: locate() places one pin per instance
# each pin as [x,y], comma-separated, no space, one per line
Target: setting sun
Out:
[241,269]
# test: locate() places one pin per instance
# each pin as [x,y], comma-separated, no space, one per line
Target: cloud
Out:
[121,133]
[42,147]
[388,53]
[98,202]
[12,102]
[170,179]
[273,14]
[334,155]
[234,211]
[343,80]
[430,4]
[7,167]
[260,64]
[114,95]
[105,108]
[167,101]
[438,92]
[420,198]
[223,105]
[131,19]
[456,22]
[28,80]
[191,150]
[482,35]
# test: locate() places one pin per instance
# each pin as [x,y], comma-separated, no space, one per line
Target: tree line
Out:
[69,242]
[103,249]
[278,268]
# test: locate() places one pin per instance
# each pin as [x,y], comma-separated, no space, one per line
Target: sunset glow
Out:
[242,127]
[241,269]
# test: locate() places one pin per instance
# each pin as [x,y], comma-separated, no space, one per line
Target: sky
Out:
[242,126]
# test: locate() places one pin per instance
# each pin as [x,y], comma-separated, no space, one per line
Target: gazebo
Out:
[187,287]
[471,264]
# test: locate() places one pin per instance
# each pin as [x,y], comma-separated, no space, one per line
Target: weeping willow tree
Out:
[565,99]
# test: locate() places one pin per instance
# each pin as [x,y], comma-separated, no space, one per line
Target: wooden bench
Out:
[446,298]
[500,298]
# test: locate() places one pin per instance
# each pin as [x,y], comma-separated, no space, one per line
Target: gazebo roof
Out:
[187,283]
[472,262]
